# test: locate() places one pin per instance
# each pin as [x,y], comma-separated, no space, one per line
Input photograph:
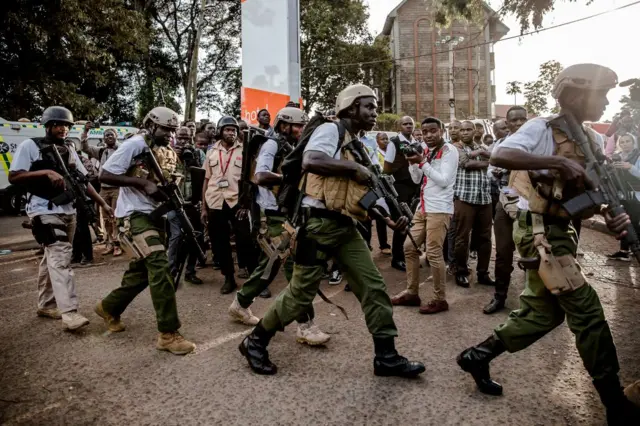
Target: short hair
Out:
[380,134]
[468,121]
[201,135]
[516,108]
[433,120]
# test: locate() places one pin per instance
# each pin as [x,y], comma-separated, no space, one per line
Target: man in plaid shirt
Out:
[472,207]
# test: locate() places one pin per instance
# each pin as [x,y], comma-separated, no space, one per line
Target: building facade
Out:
[447,71]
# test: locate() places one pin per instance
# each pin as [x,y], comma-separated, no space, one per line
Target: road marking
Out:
[232,336]
[33,413]
[17,296]
[18,283]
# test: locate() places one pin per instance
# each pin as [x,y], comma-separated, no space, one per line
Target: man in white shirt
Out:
[397,165]
[139,197]
[50,207]
[437,172]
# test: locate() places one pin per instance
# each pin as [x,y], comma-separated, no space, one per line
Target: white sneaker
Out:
[336,278]
[241,314]
[73,320]
[310,334]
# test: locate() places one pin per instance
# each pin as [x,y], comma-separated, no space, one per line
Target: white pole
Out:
[452,108]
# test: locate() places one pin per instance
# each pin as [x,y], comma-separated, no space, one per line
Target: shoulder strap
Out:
[342,131]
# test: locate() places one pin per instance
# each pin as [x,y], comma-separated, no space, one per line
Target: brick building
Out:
[421,85]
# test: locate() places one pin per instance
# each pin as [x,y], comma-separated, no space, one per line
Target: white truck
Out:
[12,133]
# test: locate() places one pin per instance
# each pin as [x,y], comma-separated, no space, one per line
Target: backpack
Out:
[290,196]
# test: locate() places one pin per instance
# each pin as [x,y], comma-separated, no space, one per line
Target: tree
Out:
[529,12]
[513,88]
[203,41]
[335,32]
[538,92]
[73,53]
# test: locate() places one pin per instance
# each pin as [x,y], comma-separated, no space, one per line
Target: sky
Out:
[608,40]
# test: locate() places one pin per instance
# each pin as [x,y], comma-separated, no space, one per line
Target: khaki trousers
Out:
[56,286]
[432,227]
[110,196]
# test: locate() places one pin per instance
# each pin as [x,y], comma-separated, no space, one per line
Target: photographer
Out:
[187,158]
[622,125]
[627,161]
[397,165]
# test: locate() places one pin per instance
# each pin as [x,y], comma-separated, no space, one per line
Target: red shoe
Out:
[434,306]
[406,299]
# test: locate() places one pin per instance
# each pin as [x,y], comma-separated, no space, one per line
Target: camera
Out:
[616,157]
[411,149]
[189,156]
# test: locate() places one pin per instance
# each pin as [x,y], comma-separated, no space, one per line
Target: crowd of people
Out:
[462,186]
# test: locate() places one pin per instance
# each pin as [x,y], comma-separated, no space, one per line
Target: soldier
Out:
[288,126]
[139,196]
[35,168]
[546,146]
[334,184]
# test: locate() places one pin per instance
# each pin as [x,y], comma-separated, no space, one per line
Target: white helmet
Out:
[290,115]
[585,76]
[348,96]
[162,116]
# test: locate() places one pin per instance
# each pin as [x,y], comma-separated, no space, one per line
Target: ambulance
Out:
[13,133]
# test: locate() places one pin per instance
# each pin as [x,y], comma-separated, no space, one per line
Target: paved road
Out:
[49,376]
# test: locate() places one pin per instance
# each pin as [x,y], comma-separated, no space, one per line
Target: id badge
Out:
[223,183]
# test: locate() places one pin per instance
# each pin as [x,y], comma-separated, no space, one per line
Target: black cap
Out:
[58,114]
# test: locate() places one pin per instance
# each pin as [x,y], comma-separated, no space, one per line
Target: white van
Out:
[12,133]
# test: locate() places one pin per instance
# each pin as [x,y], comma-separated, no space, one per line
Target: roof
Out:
[500,28]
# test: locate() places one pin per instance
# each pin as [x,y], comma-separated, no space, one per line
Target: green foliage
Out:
[74,53]
[538,92]
[335,32]
[633,107]
[528,12]
[388,122]
[514,88]
[176,22]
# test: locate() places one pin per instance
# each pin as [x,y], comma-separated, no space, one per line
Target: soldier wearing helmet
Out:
[548,168]
[334,183]
[288,124]
[139,234]
[220,209]
[51,207]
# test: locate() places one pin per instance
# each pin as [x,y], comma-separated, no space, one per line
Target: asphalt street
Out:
[50,376]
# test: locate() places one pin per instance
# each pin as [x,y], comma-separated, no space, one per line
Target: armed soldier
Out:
[52,209]
[554,157]
[288,126]
[334,185]
[140,232]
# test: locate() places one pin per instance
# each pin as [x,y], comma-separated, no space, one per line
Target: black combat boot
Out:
[620,411]
[254,349]
[388,363]
[229,285]
[475,360]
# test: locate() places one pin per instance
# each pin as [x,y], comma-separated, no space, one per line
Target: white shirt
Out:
[129,199]
[28,152]
[390,155]
[437,194]
[265,199]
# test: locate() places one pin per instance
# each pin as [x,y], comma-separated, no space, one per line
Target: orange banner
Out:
[253,100]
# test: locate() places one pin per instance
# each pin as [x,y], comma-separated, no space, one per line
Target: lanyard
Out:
[226,167]
[432,155]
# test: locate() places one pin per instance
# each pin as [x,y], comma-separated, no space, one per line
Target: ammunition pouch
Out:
[49,229]
[509,204]
[136,246]
[561,274]
[275,247]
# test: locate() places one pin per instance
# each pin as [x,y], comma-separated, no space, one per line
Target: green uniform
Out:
[540,311]
[255,285]
[338,237]
[152,271]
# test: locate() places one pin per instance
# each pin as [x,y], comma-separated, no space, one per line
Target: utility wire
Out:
[478,44]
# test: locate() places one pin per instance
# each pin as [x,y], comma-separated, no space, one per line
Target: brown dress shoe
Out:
[434,306]
[406,299]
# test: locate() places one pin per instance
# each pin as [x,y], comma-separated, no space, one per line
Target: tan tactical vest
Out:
[547,193]
[339,193]
[167,160]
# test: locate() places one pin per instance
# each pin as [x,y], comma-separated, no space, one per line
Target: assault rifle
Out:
[78,184]
[609,189]
[381,187]
[174,202]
